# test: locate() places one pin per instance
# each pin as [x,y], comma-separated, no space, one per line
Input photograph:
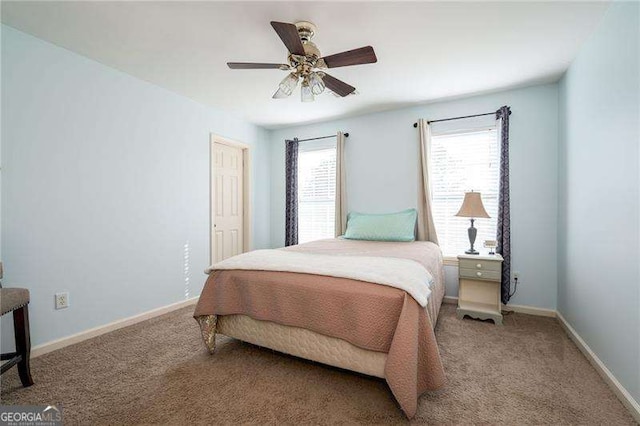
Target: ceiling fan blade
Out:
[288,33]
[363,55]
[337,86]
[256,66]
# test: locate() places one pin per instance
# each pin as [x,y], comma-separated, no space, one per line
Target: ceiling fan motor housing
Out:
[310,49]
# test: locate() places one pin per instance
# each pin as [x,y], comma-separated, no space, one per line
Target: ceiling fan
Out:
[306,63]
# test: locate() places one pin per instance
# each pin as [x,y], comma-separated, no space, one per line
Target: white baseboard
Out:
[452,300]
[531,310]
[112,326]
[523,309]
[623,395]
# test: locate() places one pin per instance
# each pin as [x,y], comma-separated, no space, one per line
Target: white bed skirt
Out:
[303,343]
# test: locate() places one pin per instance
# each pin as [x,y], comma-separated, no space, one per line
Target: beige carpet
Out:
[159,372]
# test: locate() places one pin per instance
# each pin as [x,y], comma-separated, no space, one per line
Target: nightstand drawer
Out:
[477,274]
[480,265]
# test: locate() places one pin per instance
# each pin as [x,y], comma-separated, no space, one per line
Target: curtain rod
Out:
[459,118]
[346,135]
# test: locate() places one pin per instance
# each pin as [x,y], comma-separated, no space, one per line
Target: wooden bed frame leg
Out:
[23,343]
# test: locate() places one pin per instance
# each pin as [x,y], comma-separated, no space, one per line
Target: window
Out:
[316,191]
[461,162]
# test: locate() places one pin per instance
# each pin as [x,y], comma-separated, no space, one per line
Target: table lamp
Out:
[472,208]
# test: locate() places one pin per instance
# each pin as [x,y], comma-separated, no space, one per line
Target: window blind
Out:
[316,193]
[461,162]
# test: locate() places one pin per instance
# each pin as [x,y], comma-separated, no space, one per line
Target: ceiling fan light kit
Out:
[288,85]
[306,95]
[306,63]
[317,85]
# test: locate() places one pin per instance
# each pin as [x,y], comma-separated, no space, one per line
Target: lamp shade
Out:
[472,206]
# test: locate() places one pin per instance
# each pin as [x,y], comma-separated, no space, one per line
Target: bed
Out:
[347,320]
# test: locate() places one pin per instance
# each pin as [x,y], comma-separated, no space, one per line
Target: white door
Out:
[227,195]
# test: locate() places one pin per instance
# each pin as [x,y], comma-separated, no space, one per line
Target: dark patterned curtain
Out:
[504,211]
[291,208]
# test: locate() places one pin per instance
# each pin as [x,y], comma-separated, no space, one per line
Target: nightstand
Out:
[479,289]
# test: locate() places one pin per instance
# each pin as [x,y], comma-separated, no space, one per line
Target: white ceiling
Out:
[426,50]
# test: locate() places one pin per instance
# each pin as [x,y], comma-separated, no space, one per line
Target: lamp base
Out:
[472,238]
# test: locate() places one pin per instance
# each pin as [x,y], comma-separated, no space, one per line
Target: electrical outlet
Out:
[516,275]
[62,300]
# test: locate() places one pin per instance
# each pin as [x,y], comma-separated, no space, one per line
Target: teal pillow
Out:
[382,227]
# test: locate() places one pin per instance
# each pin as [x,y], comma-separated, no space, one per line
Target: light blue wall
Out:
[382,167]
[599,252]
[105,179]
